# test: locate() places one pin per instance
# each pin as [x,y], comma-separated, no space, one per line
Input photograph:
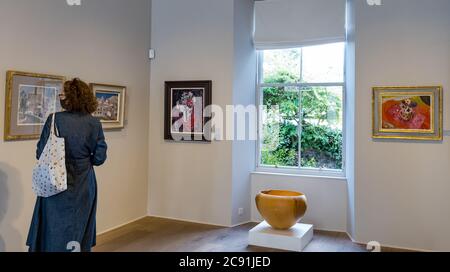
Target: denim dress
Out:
[67,221]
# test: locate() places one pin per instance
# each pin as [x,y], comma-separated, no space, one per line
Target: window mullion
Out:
[300,113]
[300,127]
[260,101]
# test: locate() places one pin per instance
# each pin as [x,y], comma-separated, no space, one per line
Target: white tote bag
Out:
[49,174]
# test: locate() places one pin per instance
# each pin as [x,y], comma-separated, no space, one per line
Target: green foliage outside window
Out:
[320,120]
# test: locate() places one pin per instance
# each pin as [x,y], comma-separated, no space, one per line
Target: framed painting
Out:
[111,105]
[185,104]
[30,99]
[411,113]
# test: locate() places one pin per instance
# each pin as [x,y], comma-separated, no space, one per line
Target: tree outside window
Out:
[306,85]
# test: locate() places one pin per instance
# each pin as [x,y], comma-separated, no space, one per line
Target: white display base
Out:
[294,239]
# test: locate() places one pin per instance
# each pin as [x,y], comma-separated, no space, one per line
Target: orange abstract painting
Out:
[406,113]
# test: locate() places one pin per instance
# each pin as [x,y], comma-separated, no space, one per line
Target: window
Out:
[302,91]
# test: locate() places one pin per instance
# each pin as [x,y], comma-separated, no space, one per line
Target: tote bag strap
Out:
[54,129]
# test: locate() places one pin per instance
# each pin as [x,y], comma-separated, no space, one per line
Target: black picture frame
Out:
[185,104]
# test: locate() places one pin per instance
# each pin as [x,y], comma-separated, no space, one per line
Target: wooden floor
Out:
[162,235]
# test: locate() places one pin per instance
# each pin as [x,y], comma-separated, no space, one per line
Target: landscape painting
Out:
[35,104]
[111,105]
[30,99]
[108,106]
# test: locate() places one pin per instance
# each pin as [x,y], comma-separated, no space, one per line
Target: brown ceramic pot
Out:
[281,209]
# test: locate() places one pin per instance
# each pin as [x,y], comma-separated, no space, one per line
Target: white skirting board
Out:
[294,239]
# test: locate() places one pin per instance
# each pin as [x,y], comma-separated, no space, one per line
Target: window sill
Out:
[313,174]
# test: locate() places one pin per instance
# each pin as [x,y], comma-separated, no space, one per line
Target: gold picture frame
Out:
[111,108]
[30,98]
[408,113]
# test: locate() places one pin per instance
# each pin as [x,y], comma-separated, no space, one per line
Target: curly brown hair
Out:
[78,97]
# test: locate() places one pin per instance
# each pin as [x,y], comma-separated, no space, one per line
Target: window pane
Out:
[323,63]
[321,136]
[281,66]
[280,129]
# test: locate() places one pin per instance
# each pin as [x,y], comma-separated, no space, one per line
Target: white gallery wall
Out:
[350,105]
[193,40]
[244,94]
[401,187]
[201,40]
[104,41]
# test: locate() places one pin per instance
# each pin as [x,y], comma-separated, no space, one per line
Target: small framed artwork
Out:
[30,99]
[411,113]
[185,104]
[111,105]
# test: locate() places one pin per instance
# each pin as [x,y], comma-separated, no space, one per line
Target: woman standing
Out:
[66,221]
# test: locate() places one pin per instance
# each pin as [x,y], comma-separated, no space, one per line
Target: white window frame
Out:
[301,171]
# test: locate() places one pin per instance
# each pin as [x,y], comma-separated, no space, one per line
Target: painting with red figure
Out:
[406,112]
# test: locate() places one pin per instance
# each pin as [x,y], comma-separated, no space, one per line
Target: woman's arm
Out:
[99,156]
[44,137]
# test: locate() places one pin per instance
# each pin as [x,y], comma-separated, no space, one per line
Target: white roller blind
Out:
[295,23]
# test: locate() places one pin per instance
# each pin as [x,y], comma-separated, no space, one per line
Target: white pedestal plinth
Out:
[294,239]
